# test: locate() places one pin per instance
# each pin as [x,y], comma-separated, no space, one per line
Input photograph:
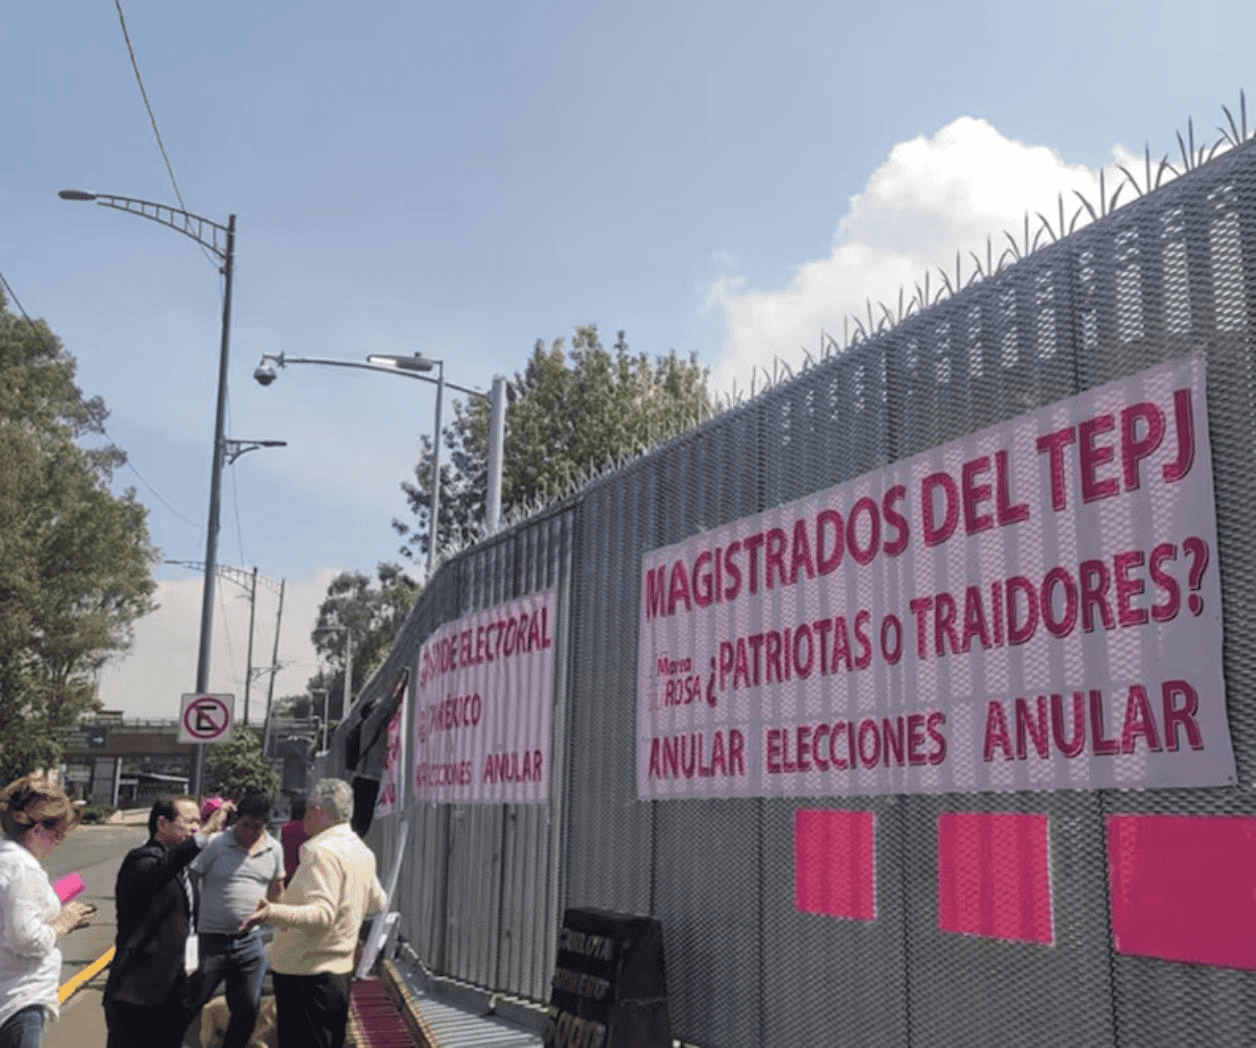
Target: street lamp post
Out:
[208,234]
[348,682]
[415,367]
[408,365]
[321,691]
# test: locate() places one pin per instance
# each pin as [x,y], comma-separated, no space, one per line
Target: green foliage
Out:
[236,766]
[96,814]
[373,611]
[75,558]
[296,706]
[571,415]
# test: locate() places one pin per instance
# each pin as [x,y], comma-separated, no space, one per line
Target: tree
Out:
[571,414]
[373,614]
[75,558]
[236,766]
[297,707]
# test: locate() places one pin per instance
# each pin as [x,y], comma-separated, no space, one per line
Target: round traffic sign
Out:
[206,718]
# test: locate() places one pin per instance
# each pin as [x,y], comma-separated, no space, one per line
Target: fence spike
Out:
[1129,179]
[1086,204]
[1164,166]
[1186,160]
[1233,133]
[1115,196]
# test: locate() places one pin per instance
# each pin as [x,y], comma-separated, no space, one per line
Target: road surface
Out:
[95,852]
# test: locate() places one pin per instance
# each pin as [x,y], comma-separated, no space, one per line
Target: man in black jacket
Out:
[147,993]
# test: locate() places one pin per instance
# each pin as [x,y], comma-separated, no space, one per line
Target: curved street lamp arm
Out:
[185,222]
[233,449]
[242,578]
[284,361]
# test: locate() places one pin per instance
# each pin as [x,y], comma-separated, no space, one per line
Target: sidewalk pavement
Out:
[456,1015]
[455,1028]
[129,817]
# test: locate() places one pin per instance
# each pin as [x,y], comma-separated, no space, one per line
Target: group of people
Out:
[197,905]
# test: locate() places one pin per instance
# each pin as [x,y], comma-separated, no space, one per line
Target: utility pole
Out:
[248,659]
[274,668]
[247,581]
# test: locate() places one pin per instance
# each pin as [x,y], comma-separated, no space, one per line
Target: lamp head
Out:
[417,362]
[75,194]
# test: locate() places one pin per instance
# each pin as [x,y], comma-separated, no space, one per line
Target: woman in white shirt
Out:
[35,816]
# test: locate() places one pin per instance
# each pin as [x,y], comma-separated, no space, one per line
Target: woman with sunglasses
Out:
[35,816]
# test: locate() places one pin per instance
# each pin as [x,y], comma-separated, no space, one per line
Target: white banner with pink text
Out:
[483,698]
[393,762]
[1036,606]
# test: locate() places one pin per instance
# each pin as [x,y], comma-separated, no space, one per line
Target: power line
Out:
[144,94]
[152,119]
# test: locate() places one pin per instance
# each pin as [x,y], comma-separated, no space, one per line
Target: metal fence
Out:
[483,887]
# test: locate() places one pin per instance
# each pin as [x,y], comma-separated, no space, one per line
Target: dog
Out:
[215,1016]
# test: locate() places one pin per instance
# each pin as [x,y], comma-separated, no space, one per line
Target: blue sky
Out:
[461,179]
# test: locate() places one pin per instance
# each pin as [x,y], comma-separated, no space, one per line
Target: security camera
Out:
[265,374]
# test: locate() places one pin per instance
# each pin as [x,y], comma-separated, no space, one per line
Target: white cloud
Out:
[931,198]
[148,683]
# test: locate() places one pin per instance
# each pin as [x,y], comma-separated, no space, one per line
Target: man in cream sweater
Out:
[317,922]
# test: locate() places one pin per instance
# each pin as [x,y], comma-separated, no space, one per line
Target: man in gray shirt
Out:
[236,870]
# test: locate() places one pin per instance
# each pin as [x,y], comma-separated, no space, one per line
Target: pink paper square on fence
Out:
[1183,888]
[835,863]
[994,876]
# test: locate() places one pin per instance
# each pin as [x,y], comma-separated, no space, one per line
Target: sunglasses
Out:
[56,827]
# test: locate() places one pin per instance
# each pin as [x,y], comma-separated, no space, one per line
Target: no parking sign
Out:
[205,718]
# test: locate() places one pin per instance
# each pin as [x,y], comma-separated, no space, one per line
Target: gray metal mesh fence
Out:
[483,887]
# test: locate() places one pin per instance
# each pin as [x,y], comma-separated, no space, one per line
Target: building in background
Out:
[125,763]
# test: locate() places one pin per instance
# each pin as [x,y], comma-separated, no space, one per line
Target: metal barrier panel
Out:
[751,962]
[608,833]
[1195,282]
